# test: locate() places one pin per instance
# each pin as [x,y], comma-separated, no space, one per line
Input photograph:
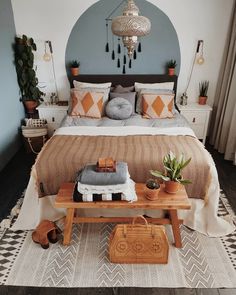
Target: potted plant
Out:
[74,67]
[152,189]
[172,175]
[203,89]
[26,75]
[171,65]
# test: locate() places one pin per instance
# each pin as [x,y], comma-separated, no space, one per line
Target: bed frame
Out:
[126,80]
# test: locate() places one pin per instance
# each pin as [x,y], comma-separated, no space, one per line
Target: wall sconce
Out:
[199,59]
[48,56]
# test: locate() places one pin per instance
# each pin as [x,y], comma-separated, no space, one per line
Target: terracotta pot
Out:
[151,194]
[202,100]
[172,187]
[74,71]
[30,106]
[171,71]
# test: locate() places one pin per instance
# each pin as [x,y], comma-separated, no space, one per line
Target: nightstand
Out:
[53,114]
[198,117]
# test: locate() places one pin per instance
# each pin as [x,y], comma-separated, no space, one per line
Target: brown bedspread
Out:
[64,155]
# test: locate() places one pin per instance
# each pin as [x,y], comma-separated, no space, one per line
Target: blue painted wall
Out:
[88,38]
[11,110]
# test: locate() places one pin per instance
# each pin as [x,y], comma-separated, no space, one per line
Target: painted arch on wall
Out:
[87,41]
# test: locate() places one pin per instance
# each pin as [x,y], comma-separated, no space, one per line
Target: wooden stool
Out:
[165,201]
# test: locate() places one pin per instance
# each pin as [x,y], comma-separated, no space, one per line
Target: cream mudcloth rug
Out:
[202,262]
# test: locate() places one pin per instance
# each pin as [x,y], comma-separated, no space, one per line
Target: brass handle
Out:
[194,120]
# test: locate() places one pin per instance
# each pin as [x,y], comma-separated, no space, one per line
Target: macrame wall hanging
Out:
[127,28]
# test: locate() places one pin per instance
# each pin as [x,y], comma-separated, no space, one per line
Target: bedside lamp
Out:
[198,57]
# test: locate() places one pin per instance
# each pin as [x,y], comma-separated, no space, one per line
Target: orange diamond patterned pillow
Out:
[157,105]
[87,104]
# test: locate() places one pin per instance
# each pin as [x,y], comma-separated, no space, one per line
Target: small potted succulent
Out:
[171,65]
[203,89]
[172,175]
[74,67]
[152,189]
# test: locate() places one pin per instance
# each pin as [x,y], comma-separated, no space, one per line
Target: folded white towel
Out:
[127,190]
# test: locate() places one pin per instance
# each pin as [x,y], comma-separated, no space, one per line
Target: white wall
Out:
[202,19]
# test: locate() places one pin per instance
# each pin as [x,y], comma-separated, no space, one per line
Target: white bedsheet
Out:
[202,216]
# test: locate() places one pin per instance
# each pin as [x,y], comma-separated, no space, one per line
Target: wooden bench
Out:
[165,201]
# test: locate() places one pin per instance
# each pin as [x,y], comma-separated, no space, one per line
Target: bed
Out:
[140,142]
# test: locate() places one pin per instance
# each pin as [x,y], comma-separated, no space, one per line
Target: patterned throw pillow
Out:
[157,105]
[87,104]
[104,91]
[149,91]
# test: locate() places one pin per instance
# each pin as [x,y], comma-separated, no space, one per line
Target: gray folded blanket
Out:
[90,176]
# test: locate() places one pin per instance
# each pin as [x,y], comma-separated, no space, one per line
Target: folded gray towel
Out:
[90,176]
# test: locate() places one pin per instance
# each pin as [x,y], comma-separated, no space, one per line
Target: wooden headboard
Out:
[126,80]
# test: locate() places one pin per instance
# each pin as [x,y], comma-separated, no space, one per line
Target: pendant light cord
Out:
[191,72]
[53,66]
[114,10]
[199,43]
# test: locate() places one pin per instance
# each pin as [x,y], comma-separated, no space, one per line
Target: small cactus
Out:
[152,184]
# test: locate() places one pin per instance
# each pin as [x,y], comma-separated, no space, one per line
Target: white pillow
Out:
[80,85]
[164,85]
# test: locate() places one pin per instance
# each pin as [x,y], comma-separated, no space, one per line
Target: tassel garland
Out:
[124,69]
[124,59]
[117,51]
[130,63]
[118,63]
[139,47]
[107,44]
[119,47]
[113,51]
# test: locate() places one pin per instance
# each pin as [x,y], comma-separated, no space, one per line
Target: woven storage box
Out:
[139,243]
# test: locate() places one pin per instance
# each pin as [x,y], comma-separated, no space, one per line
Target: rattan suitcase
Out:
[138,243]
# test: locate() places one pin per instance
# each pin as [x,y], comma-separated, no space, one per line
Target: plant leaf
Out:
[185,181]
[186,163]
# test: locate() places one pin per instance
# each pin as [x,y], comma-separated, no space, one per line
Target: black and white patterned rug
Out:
[202,262]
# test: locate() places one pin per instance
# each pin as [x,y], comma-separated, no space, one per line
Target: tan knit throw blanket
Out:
[64,155]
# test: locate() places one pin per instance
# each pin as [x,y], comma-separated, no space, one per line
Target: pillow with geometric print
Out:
[87,104]
[157,105]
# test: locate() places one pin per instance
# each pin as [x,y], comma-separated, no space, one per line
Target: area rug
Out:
[202,262]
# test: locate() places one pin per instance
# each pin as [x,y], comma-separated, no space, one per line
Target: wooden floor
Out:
[13,180]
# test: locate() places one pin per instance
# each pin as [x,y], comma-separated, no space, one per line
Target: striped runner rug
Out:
[202,262]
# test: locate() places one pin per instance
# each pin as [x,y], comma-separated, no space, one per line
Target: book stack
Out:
[106,165]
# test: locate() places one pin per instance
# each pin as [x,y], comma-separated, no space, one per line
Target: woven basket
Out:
[139,243]
[34,138]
